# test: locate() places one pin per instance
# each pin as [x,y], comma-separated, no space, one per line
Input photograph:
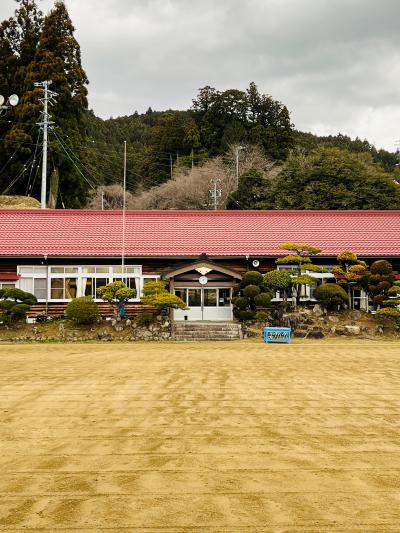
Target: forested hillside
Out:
[171,155]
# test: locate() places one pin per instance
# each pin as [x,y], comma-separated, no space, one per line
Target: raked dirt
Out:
[223,437]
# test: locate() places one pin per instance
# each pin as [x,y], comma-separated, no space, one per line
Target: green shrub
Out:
[381,267]
[262,316]
[252,278]
[245,315]
[145,319]
[241,302]
[278,280]
[14,304]
[263,299]
[393,291]
[331,295]
[156,293]
[82,310]
[390,312]
[250,291]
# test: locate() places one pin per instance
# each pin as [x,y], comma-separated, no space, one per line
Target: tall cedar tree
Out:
[19,37]
[57,58]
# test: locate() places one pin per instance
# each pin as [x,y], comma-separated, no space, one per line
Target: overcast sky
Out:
[334,63]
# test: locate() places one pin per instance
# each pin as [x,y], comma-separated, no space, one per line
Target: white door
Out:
[205,303]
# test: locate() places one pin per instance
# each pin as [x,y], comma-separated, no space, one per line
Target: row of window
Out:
[55,283]
[205,297]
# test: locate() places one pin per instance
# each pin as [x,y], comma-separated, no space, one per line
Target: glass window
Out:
[194,297]
[7,285]
[224,297]
[40,288]
[26,284]
[102,270]
[57,270]
[70,288]
[57,289]
[87,287]
[71,270]
[210,298]
[181,293]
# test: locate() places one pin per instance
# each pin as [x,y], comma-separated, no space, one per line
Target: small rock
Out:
[317,310]
[333,318]
[300,333]
[352,330]
[316,334]
[113,322]
[128,322]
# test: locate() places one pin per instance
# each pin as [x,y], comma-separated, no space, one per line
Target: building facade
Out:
[62,254]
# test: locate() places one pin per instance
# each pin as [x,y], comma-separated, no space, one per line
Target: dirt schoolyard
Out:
[204,437]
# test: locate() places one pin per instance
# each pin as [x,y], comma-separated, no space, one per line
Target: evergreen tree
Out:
[19,37]
[47,50]
[58,58]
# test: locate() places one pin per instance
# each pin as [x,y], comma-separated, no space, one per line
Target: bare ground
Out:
[206,438]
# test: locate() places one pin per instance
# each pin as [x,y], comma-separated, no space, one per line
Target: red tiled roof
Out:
[81,233]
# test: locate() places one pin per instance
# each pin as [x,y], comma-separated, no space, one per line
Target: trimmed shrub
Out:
[245,315]
[278,280]
[262,316]
[145,319]
[382,267]
[250,291]
[14,304]
[241,302]
[82,310]
[331,295]
[252,278]
[263,299]
[390,312]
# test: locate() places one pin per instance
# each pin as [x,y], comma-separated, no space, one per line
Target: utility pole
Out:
[237,165]
[102,200]
[192,157]
[45,123]
[214,192]
[123,216]
[170,164]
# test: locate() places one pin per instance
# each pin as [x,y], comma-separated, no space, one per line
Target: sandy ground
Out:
[206,438]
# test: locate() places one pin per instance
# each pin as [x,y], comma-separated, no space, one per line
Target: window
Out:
[6,285]
[182,294]
[224,297]
[34,280]
[210,297]
[67,282]
[194,297]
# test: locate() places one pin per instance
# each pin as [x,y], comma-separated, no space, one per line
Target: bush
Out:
[156,293]
[14,304]
[241,302]
[144,319]
[245,315]
[82,310]
[250,291]
[331,295]
[263,299]
[252,278]
[278,280]
[262,316]
[390,312]
[381,267]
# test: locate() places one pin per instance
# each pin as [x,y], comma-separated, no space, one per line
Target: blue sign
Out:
[282,335]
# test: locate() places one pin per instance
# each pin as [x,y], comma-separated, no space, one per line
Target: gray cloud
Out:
[334,63]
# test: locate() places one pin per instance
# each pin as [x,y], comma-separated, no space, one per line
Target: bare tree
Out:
[110,195]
